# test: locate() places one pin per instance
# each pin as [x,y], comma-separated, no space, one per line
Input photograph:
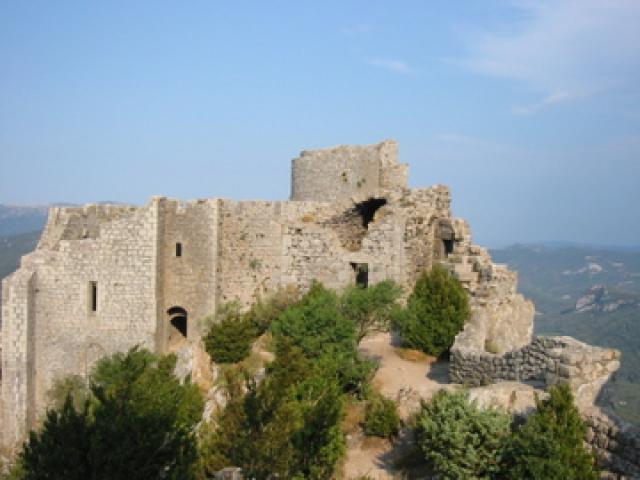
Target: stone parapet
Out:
[548,360]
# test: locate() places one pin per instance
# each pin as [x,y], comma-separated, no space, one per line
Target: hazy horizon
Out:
[529,111]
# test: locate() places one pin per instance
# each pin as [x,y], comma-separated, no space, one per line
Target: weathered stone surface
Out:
[513,397]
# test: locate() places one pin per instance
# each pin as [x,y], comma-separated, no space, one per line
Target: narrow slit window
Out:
[178,249]
[93,288]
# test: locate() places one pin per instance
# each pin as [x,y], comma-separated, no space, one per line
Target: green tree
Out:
[230,335]
[381,417]
[138,423]
[370,308]
[221,441]
[316,322]
[147,382]
[550,445]
[265,311]
[61,449]
[436,312]
[458,440]
[318,326]
[287,425]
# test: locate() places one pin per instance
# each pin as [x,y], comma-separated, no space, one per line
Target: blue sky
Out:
[530,111]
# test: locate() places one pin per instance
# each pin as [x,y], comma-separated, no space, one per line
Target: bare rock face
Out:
[501,319]
[513,397]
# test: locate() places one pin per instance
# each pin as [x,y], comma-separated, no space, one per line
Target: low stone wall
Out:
[616,444]
[549,360]
[552,360]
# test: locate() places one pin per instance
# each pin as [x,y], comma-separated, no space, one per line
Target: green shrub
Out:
[381,417]
[370,308]
[436,312]
[230,335]
[263,313]
[550,444]
[316,323]
[458,440]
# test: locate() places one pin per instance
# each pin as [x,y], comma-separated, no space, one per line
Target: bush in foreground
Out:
[137,423]
[458,440]
[288,425]
[550,445]
[436,312]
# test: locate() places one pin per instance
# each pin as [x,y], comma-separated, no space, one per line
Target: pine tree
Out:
[550,445]
[436,312]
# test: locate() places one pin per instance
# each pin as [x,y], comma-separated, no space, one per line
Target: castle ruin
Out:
[105,278]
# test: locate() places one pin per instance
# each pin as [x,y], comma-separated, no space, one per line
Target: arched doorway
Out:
[178,325]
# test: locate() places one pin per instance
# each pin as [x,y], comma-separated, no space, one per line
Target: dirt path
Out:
[400,379]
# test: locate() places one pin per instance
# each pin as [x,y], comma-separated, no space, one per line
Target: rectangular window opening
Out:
[361,271]
[178,249]
[93,288]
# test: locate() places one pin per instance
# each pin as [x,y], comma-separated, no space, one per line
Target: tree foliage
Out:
[230,335]
[550,445]
[458,440]
[137,423]
[61,449]
[72,386]
[381,417]
[318,326]
[232,332]
[288,425]
[436,312]
[265,311]
[370,308]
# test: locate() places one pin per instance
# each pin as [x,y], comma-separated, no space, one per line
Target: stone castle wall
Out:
[18,409]
[49,326]
[175,261]
[187,281]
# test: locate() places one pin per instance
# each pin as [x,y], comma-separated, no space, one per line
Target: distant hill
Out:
[591,293]
[22,219]
[12,247]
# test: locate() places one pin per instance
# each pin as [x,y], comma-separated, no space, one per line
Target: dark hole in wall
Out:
[178,319]
[368,209]
[362,274]
[448,246]
[178,249]
[180,324]
[94,296]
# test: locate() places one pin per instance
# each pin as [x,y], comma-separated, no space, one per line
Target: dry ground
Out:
[404,376]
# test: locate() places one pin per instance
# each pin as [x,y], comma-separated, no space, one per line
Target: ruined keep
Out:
[105,278]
